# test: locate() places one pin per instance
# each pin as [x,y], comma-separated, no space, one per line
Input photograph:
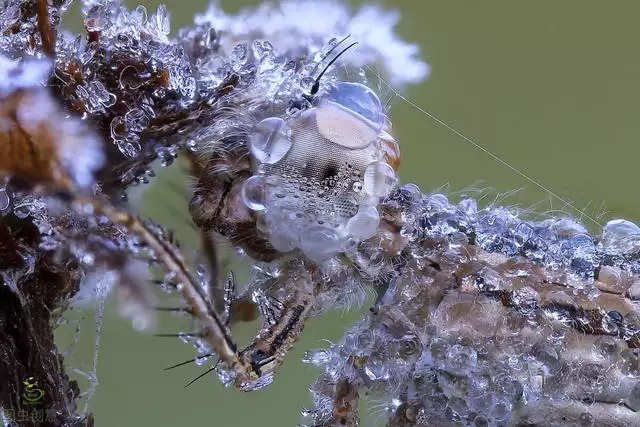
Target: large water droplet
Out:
[620,236]
[633,400]
[269,141]
[360,101]
[379,179]
[320,243]
[365,223]
[253,193]
[281,242]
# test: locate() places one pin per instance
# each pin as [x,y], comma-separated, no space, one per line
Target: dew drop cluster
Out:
[492,325]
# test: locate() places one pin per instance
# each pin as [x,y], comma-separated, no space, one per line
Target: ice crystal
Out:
[287,27]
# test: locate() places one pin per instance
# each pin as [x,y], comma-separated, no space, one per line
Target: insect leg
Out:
[213,328]
[265,354]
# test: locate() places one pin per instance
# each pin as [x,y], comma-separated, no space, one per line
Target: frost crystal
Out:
[288,27]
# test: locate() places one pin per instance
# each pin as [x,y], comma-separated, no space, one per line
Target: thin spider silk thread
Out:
[486,151]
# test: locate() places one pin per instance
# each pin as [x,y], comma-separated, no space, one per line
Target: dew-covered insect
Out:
[482,317]
[307,190]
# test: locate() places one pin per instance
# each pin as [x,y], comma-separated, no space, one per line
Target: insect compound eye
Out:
[322,172]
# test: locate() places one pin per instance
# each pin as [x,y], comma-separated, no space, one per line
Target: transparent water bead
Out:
[620,236]
[253,193]
[359,101]
[282,239]
[379,179]
[238,56]
[320,243]
[270,140]
[583,254]
[365,223]
[461,360]
[5,200]
[633,400]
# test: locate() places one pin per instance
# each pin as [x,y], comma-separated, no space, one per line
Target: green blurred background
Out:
[550,87]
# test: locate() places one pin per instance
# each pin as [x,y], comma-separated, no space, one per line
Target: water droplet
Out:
[606,346]
[262,47]
[128,149]
[5,200]
[365,222]
[306,84]
[185,337]
[481,421]
[360,101]
[141,11]
[461,360]
[379,179]
[410,346]
[634,290]
[238,56]
[525,300]
[282,242]
[269,141]
[268,62]
[620,236]
[317,357]
[162,20]
[136,120]
[319,243]
[586,419]
[376,370]
[633,399]
[188,87]
[253,193]
[201,360]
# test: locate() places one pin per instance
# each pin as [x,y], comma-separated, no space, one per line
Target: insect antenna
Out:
[316,84]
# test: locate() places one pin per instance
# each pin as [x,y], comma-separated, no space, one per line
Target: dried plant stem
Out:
[27,347]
